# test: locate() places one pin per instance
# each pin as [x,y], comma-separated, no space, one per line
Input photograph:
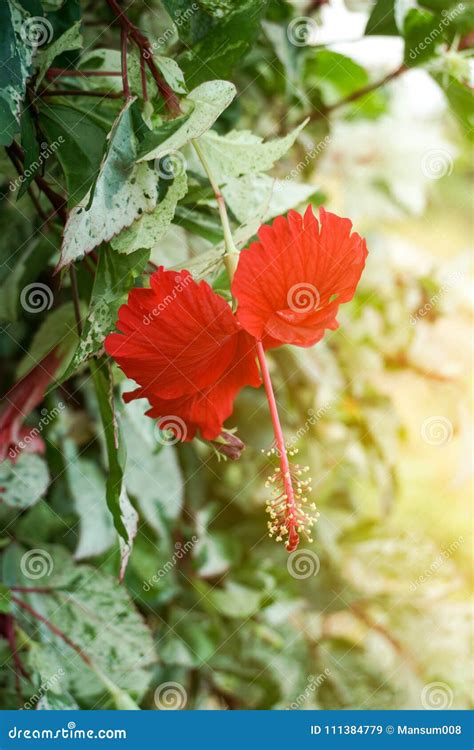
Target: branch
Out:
[146,52]
[359,93]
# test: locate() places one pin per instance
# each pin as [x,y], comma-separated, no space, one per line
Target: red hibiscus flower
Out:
[183,346]
[190,355]
[290,284]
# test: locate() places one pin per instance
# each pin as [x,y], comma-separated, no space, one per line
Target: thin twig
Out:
[359,93]
[53,629]
[81,92]
[65,73]
[124,50]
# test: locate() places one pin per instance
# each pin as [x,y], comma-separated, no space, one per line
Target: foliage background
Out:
[380,409]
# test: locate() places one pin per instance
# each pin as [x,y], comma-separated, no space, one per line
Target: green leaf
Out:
[202,224]
[123,191]
[262,197]
[227,39]
[25,267]
[86,484]
[123,513]
[99,617]
[5,599]
[23,483]
[205,103]
[461,99]
[15,56]
[422,33]
[153,475]
[335,75]
[146,231]
[114,277]
[113,441]
[235,600]
[382,19]
[70,40]
[57,330]
[171,72]
[240,152]
[79,144]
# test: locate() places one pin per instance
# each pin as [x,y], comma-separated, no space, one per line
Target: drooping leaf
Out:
[461,99]
[23,483]
[114,277]
[123,191]
[78,142]
[418,26]
[146,231]
[205,103]
[113,441]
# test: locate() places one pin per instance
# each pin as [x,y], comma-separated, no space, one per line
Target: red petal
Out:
[183,346]
[290,284]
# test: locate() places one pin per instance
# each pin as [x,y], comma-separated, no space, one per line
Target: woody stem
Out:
[279,438]
[231,252]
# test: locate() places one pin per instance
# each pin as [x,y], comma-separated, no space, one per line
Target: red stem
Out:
[146,51]
[64,73]
[124,50]
[279,438]
[81,92]
[53,629]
